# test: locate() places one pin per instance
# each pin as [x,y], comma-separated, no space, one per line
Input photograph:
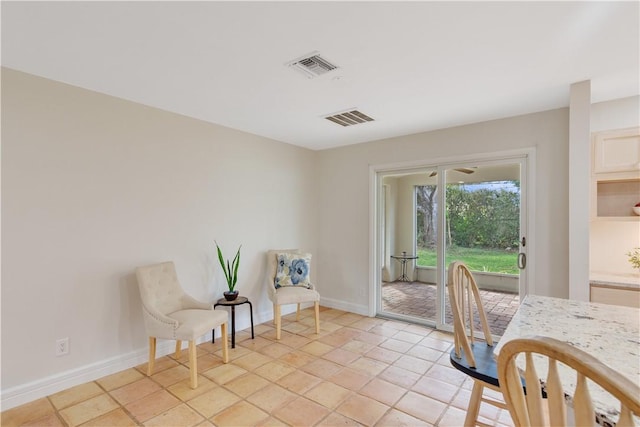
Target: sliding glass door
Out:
[469,211]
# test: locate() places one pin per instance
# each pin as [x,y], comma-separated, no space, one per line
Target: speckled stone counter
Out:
[609,333]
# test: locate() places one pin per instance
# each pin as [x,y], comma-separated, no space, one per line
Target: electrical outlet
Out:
[62,346]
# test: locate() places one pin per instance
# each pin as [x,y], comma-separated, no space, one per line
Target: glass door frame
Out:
[526,158]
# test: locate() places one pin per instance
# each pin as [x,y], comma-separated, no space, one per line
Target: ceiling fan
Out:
[463,170]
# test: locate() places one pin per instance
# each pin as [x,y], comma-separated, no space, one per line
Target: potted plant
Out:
[634,258]
[230,273]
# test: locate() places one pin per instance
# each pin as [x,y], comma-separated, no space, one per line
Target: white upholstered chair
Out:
[288,294]
[169,313]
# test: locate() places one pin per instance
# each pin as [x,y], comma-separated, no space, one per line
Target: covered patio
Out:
[418,299]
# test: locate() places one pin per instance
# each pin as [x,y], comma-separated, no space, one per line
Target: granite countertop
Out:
[609,333]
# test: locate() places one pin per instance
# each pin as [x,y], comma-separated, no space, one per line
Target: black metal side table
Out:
[238,301]
[403,260]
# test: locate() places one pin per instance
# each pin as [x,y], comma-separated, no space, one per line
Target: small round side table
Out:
[238,301]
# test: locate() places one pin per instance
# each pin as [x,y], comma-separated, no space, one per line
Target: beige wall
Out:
[344,236]
[93,186]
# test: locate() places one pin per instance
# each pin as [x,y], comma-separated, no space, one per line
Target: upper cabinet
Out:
[615,174]
[616,151]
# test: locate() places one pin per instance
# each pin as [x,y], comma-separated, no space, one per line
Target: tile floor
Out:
[357,371]
[418,299]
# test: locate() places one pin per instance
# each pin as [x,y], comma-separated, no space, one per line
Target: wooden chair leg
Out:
[193,368]
[274,313]
[225,343]
[178,352]
[278,321]
[152,355]
[317,314]
[298,313]
[474,405]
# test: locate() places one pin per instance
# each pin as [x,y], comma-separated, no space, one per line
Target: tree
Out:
[426,210]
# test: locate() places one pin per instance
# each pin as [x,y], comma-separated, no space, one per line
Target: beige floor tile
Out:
[347,318]
[335,339]
[316,348]
[371,338]
[408,337]
[397,418]
[436,344]
[328,394]
[182,415]
[341,356]
[224,373]
[171,376]
[271,422]
[504,419]
[301,412]
[369,366]
[384,331]
[275,370]
[275,350]
[184,392]
[298,382]
[447,375]
[184,353]
[246,385]
[362,409]
[51,420]
[88,409]
[75,395]
[208,361]
[366,323]
[297,358]
[461,400]
[160,364]
[321,368]
[120,379]
[295,327]
[152,405]
[421,407]
[383,391]
[413,364]
[425,353]
[358,347]
[350,379]
[240,414]
[134,391]
[435,389]
[28,412]
[213,401]
[399,376]
[271,397]
[255,344]
[397,345]
[294,341]
[252,361]
[453,417]
[336,420]
[115,418]
[383,355]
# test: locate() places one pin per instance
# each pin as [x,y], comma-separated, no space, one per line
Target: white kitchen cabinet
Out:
[628,296]
[616,151]
[615,175]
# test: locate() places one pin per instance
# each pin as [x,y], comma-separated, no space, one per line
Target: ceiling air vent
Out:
[312,65]
[349,118]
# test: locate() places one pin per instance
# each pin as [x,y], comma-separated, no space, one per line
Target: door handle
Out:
[522,260]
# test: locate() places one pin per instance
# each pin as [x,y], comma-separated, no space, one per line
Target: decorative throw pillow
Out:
[293,270]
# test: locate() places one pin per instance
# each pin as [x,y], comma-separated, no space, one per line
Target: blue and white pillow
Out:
[293,270]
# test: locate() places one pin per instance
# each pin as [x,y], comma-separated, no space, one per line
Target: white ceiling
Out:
[412,66]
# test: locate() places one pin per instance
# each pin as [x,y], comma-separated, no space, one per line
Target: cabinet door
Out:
[617,151]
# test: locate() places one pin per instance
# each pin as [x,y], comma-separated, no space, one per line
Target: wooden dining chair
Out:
[473,357]
[533,410]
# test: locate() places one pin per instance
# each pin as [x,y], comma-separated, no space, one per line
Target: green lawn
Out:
[490,260]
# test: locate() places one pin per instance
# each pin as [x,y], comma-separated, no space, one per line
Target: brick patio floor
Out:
[418,299]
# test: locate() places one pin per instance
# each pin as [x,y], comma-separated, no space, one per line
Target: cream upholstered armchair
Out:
[294,287]
[169,313]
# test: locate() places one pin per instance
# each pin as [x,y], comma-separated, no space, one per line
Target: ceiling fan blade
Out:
[465,170]
[432,174]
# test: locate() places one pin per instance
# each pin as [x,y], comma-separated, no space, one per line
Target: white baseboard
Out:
[345,306]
